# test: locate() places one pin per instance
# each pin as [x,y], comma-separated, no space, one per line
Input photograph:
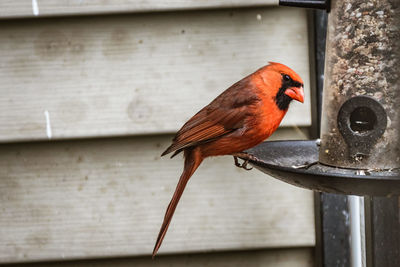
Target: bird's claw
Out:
[243,165]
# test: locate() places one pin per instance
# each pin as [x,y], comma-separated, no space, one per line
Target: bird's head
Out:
[288,85]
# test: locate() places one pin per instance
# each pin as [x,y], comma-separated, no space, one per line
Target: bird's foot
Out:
[241,165]
[244,156]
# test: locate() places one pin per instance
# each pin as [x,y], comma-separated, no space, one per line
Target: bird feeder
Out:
[360,118]
[359,149]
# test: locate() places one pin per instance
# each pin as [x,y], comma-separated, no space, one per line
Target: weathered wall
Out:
[108,91]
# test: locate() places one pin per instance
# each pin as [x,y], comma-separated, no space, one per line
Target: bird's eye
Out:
[286,77]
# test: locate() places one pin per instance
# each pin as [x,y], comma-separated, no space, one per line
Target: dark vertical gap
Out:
[369,244]
[383,234]
[335,230]
[318,255]
[331,210]
[315,126]
[321,21]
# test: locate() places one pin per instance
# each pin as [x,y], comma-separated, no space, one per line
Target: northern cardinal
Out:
[241,117]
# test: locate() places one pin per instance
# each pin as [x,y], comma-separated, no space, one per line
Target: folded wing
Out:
[226,114]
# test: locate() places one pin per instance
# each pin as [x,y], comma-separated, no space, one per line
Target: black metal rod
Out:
[316,4]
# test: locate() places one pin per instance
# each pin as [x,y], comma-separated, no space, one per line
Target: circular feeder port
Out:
[362,120]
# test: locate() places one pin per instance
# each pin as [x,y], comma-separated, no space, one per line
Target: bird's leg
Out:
[237,164]
[243,165]
[244,156]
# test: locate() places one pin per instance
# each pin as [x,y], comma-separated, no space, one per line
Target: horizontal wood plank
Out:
[34,8]
[107,197]
[293,257]
[138,74]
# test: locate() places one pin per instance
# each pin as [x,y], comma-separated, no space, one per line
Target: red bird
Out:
[241,117]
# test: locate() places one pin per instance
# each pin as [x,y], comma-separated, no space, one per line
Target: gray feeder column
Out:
[361,102]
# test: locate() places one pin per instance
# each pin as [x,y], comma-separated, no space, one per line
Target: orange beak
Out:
[296,93]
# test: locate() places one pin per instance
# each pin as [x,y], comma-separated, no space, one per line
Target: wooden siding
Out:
[104,76]
[294,257]
[24,9]
[107,197]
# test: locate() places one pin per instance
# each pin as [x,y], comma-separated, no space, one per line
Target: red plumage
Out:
[241,117]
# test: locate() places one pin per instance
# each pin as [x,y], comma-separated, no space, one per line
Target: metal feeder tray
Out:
[296,163]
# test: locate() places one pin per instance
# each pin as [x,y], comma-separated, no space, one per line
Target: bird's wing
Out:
[226,114]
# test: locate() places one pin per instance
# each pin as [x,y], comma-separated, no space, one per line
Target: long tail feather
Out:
[193,159]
